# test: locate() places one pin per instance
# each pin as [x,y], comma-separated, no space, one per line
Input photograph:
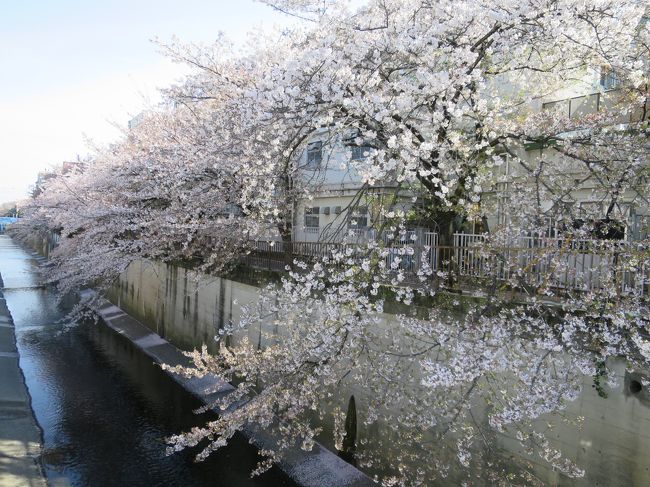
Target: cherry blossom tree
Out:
[158,194]
[443,95]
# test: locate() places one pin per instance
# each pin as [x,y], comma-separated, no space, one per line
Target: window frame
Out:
[314,157]
[358,152]
[312,213]
[357,213]
[609,79]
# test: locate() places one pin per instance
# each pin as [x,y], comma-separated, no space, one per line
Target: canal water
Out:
[103,407]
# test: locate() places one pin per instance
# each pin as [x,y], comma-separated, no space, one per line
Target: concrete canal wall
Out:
[4,221]
[188,309]
[317,468]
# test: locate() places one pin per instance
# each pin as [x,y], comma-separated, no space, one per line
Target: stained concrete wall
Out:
[189,309]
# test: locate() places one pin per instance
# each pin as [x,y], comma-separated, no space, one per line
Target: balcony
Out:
[581,106]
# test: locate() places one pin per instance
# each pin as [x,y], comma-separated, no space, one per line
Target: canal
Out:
[104,408]
[608,437]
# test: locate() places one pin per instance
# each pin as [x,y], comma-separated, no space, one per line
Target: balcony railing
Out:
[579,106]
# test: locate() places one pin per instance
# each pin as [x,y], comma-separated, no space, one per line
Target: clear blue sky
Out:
[69,67]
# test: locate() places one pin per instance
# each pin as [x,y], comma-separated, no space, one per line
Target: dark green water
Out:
[104,408]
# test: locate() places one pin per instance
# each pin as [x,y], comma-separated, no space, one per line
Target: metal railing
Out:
[4,221]
[530,264]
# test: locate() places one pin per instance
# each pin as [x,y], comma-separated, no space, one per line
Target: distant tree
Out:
[11,211]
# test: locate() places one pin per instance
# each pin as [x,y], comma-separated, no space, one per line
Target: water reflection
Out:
[103,407]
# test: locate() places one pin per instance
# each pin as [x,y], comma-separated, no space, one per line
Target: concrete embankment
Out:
[20,436]
[317,468]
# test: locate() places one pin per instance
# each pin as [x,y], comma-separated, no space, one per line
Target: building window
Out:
[312,219]
[641,228]
[598,225]
[609,80]
[359,217]
[314,155]
[360,152]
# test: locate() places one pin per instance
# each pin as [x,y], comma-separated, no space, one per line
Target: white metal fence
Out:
[552,263]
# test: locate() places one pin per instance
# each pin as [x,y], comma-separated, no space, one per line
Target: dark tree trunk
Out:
[350,438]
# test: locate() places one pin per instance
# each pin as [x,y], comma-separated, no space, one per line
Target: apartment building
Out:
[584,196]
[336,206]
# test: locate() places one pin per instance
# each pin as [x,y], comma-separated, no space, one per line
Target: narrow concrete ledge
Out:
[317,468]
[20,436]
[7,339]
